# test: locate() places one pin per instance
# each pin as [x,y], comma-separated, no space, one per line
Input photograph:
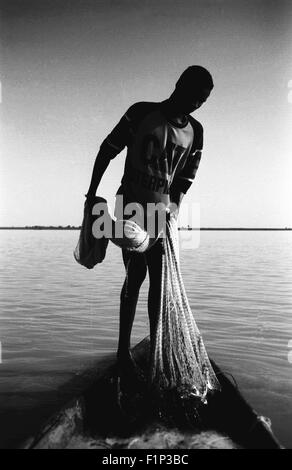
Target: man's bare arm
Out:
[176,197]
[100,165]
[114,143]
[184,180]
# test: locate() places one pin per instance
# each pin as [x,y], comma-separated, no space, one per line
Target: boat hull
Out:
[98,419]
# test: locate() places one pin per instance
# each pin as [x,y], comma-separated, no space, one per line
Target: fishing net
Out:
[91,250]
[179,361]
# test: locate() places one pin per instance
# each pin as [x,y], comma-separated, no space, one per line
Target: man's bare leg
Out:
[154,263]
[135,264]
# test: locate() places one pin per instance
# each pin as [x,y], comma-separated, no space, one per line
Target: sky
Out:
[70,69]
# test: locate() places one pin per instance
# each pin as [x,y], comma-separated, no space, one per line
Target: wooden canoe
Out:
[94,420]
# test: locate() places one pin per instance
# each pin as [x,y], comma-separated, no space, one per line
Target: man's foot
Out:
[127,367]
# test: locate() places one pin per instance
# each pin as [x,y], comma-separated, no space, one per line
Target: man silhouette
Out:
[164,145]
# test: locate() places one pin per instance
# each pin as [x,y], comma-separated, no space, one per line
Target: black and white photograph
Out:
[145,227]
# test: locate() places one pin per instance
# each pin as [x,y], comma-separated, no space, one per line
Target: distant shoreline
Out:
[69,227]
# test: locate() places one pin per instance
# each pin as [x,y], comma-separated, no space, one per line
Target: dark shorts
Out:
[153,255]
[156,250]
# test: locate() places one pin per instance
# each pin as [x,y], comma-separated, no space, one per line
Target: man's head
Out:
[192,89]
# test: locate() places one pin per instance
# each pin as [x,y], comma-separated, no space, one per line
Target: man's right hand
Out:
[174,210]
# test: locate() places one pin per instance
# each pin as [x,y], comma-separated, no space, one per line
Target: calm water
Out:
[57,318]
